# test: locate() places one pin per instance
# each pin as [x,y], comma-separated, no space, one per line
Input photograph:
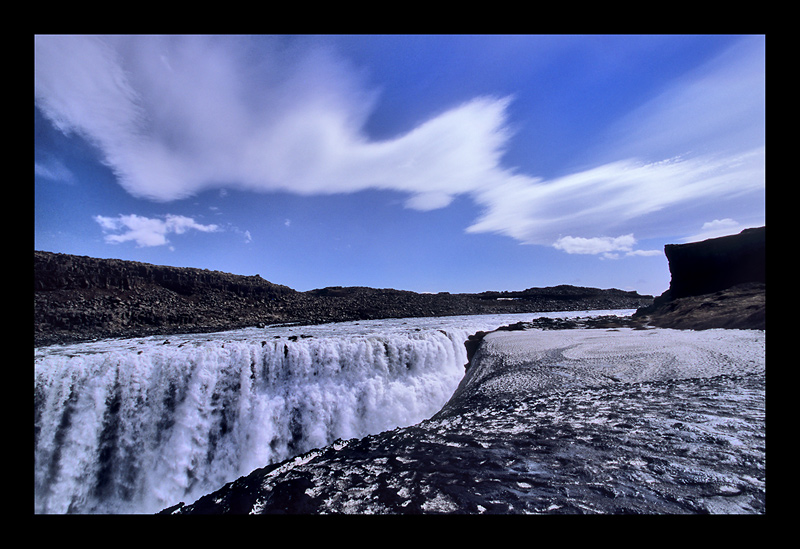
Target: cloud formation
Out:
[596,245]
[610,197]
[147,232]
[174,116]
[716,228]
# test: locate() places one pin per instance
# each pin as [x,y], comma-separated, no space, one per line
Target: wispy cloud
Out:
[178,115]
[147,232]
[718,107]
[54,170]
[611,197]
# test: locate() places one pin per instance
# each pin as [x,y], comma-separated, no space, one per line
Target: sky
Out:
[431,163]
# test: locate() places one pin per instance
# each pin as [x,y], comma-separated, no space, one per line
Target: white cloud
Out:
[596,245]
[606,247]
[145,231]
[717,228]
[178,115]
[644,253]
[170,131]
[611,196]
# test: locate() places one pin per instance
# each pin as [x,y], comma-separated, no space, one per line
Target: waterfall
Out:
[134,426]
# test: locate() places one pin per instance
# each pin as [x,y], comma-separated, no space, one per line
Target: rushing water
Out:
[137,425]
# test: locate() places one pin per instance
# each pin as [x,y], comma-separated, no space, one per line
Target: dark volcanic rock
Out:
[78,298]
[739,307]
[716,264]
[716,283]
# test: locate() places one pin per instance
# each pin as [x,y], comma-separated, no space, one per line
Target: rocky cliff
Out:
[78,298]
[716,283]
[717,264]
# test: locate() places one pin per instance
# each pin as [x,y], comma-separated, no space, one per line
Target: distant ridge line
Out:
[80,297]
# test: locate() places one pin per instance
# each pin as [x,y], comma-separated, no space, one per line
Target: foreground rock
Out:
[79,298]
[611,420]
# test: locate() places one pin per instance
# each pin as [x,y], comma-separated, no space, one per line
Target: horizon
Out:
[426,163]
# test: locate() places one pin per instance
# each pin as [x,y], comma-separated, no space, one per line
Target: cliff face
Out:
[717,264]
[78,298]
[716,283]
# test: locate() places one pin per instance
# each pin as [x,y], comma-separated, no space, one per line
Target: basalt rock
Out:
[716,264]
[716,283]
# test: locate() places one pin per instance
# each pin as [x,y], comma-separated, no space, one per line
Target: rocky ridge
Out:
[81,298]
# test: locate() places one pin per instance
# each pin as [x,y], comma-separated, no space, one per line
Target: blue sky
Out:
[424,163]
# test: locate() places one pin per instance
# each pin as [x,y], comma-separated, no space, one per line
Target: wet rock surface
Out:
[595,421]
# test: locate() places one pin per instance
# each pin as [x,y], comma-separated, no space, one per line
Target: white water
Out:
[137,425]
